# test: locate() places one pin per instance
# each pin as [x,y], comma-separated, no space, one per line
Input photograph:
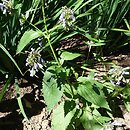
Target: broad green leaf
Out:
[8,60]
[65,55]
[82,79]
[99,85]
[89,78]
[51,91]
[58,117]
[68,117]
[59,120]
[89,123]
[97,116]
[27,37]
[87,92]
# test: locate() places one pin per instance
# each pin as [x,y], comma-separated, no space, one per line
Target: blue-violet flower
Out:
[67,18]
[6,6]
[34,61]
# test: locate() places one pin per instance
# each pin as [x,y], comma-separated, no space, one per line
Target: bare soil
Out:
[34,106]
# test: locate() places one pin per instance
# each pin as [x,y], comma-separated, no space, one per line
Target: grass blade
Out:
[11,58]
[4,88]
[19,100]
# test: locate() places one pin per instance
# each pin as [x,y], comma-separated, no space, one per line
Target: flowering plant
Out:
[6,6]
[75,98]
[119,75]
[67,18]
[34,61]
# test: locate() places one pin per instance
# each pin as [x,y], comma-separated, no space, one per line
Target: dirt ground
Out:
[35,108]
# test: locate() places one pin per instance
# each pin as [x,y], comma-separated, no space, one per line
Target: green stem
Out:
[48,38]
[48,35]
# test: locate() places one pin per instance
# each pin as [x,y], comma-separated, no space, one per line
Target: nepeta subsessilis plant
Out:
[67,18]
[6,6]
[108,126]
[119,75]
[34,61]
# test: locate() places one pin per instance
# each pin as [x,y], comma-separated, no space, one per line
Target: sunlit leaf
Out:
[19,100]
[127,33]
[58,118]
[65,55]
[89,123]
[60,121]
[27,37]
[51,91]
[87,92]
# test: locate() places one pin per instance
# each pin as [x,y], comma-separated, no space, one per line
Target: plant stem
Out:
[48,39]
[48,35]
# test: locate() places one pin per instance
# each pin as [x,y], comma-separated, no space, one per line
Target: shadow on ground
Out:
[10,116]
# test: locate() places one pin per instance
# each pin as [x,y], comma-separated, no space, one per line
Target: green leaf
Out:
[65,55]
[89,123]
[96,44]
[82,79]
[88,11]
[51,91]
[87,92]
[19,100]
[84,4]
[18,6]
[126,100]
[8,60]
[4,88]
[26,38]
[68,117]
[97,116]
[127,105]
[78,4]
[89,78]
[59,120]
[127,33]
[127,24]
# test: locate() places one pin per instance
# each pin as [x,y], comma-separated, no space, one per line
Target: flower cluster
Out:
[6,6]
[34,61]
[119,75]
[108,126]
[67,18]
